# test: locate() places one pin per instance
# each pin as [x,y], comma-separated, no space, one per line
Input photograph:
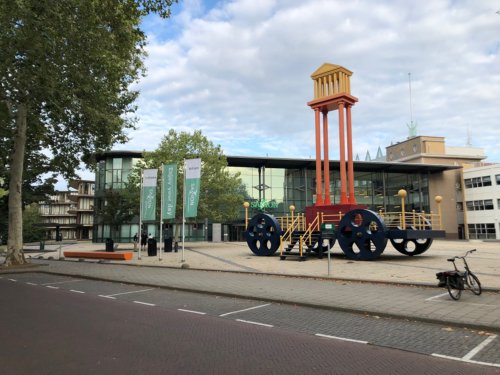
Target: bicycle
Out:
[456,281]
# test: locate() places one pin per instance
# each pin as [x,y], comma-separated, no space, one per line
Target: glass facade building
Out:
[273,184]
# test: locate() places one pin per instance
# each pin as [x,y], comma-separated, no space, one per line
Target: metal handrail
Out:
[418,220]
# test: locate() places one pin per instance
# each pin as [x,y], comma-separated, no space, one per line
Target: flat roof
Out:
[289,163]
[361,166]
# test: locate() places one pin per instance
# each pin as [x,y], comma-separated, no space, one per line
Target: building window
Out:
[482,231]
[497,178]
[479,181]
[480,205]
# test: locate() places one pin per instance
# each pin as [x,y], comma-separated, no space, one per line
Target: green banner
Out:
[148,197]
[169,192]
[192,187]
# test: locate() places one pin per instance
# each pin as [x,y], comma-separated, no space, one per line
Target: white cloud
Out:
[240,71]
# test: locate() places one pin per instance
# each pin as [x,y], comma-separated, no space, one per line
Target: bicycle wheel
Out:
[474,283]
[452,290]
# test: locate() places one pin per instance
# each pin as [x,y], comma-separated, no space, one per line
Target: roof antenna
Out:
[469,141]
[411,127]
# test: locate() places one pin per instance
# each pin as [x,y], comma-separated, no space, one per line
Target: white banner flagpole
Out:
[183,209]
[140,219]
[161,218]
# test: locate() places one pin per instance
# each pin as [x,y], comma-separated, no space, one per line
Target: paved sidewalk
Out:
[396,286]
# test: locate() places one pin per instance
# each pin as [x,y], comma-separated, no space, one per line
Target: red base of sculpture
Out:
[332,209]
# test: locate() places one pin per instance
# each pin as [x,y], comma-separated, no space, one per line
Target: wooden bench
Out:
[125,255]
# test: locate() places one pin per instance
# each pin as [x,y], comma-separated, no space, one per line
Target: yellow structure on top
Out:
[331,79]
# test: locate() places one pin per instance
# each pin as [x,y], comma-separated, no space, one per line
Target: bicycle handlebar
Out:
[462,257]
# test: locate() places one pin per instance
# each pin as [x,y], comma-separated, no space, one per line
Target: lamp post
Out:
[246,205]
[402,195]
[438,200]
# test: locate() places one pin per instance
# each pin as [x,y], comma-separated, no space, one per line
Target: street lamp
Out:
[246,205]
[402,194]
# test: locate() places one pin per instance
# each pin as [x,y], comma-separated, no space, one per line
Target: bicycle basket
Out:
[442,279]
[456,279]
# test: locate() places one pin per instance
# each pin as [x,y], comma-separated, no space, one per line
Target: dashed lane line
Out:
[255,323]
[29,283]
[478,348]
[144,303]
[106,296]
[435,297]
[62,282]
[468,357]
[193,312]
[76,291]
[14,280]
[120,294]
[52,287]
[341,338]
[467,361]
[250,308]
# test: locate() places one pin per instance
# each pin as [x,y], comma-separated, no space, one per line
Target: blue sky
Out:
[240,71]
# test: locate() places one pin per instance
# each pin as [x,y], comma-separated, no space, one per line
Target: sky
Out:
[240,70]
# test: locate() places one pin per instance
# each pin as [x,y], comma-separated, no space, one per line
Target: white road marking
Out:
[439,295]
[31,283]
[63,282]
[106,297]
[12,280]
[341,338]
[478,348]
[145,303]
[134,291]
[250,308]
[76,291]
[256,323]
[52,287]
[193,312]
[463,360]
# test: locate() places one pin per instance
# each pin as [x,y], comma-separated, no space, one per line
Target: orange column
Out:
[343,184]
[326,159]
[350,163]
[319,197]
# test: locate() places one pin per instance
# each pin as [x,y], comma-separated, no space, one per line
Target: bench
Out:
[126,255]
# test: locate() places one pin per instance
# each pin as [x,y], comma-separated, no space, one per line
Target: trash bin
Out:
[151,247]
[167,245]
[42,245]
[109,245]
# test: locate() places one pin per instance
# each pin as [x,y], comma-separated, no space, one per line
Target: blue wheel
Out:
[263,234]
[361,235]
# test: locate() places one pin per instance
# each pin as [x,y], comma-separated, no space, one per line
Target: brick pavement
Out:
[399,287]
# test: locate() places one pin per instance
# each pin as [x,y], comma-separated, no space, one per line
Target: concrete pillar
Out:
[343,183]
[326,159]
[350,162]
[319,197]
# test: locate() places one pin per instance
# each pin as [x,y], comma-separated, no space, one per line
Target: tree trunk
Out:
[15,254]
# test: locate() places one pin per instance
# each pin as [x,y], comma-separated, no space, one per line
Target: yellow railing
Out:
[413,219]
[298,222]
[392,220]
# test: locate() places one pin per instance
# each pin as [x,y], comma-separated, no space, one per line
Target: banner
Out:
[169,196]
[192,187]
[148,198]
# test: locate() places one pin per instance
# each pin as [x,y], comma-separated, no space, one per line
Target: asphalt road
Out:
[60,325]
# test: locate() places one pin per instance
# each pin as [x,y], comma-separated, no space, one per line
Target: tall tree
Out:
[220,191]
[65,71]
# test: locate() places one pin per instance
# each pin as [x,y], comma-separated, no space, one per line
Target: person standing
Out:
[136,240]
[144,240]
